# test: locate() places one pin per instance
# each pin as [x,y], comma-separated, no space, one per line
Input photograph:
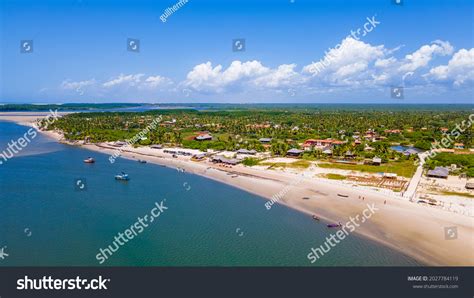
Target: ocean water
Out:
[47,220]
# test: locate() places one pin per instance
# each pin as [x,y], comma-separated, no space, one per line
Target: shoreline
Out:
[414,230]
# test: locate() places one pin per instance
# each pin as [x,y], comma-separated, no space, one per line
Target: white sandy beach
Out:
[414,229]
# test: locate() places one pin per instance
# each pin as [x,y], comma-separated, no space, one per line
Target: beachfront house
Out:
[392,131]
[308,145]
[246,152]
[265,140]
[312,144]
[203,137]
[438,172]
[458,146]
[349,154]
[224,160]
[376,161]
[368,148]
[294,152]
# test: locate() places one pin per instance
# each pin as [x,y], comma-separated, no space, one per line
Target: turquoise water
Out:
[400,148]
[46,221]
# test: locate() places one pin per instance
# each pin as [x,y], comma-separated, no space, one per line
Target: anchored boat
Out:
[89,160]
[122,176]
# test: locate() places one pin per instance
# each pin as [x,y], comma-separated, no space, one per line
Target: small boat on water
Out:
[316,218]
[342,195]
[89,160]
[122,176]
[334,225]
[141,161]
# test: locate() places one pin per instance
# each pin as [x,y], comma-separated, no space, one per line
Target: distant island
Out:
[64,107]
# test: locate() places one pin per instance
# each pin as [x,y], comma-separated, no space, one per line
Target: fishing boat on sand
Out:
[334,225]
[316,218]
[141,161]
[122,176]
[89,160]
[342,195]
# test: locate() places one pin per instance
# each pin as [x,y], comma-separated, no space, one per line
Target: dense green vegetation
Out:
[463,162]
[240,126]
[284,126]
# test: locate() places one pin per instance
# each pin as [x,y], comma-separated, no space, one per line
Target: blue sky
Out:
[80,51]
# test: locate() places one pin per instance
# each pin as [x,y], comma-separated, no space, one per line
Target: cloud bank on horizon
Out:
[353,66]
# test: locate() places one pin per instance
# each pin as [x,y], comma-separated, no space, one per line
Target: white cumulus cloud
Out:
[459,70]
[205,77]
[128,80]
[423,55]
[351,65]
[156,81]
[70,85]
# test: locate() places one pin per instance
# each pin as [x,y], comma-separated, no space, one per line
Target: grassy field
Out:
[300,164]
[404,168]
[461,194]
[334,176]
[250,161]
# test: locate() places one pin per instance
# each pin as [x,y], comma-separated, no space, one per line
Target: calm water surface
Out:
[46,221]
